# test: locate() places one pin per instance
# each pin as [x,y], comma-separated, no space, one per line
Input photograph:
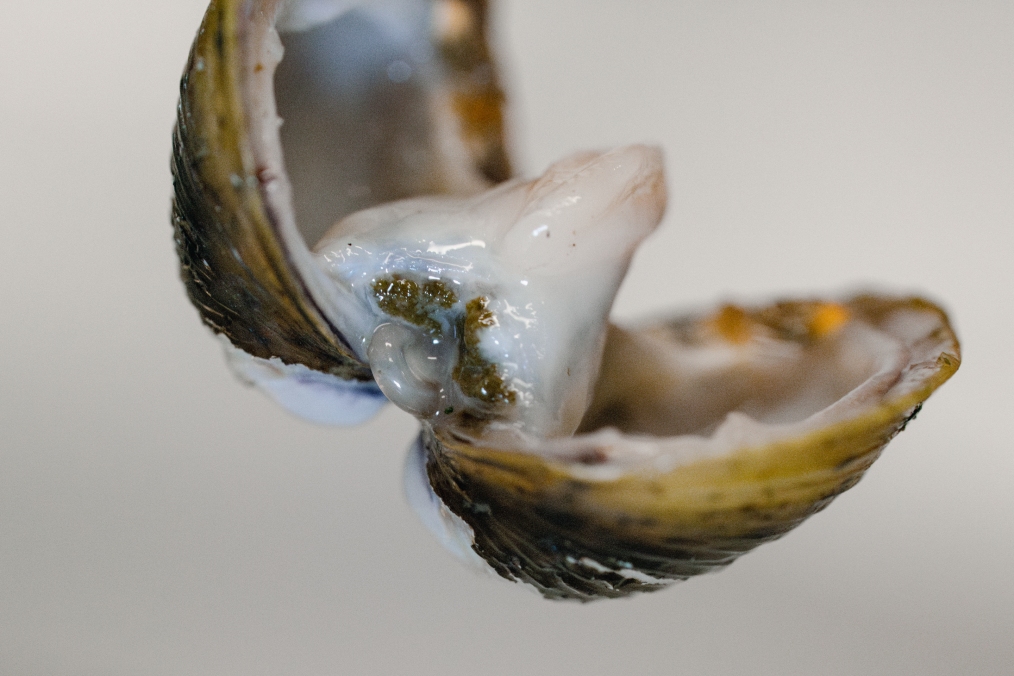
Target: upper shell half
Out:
[347,222]
[370,137]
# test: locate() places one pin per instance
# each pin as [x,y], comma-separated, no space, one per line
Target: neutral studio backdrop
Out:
[157,518]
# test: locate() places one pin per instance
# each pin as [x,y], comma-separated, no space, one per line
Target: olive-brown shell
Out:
[545,519]
[576,518]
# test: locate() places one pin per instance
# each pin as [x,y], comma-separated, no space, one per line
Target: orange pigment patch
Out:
[733,324]
[480,114]
[828,319]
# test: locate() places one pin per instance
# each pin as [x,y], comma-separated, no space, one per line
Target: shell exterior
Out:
[617,508]
[233,262]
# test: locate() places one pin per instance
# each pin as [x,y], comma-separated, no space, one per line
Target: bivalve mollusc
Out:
[348,223]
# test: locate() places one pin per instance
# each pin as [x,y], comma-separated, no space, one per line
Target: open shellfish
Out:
[373,247]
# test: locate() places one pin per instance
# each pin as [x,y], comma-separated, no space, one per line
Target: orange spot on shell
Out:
[733,324]
[480,114]
[828,319]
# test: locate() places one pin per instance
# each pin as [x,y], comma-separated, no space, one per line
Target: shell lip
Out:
[898,382]
[237,270]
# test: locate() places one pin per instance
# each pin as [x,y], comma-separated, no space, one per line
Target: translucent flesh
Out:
[495,307]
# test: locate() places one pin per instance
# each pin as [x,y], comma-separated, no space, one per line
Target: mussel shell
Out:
[244,262]
[543,520]
[538,517]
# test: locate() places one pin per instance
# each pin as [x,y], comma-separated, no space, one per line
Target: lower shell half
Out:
[708,436]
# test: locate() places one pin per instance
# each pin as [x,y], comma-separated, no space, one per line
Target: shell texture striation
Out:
[347,222]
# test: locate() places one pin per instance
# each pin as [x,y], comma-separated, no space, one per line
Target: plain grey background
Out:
[158,518]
